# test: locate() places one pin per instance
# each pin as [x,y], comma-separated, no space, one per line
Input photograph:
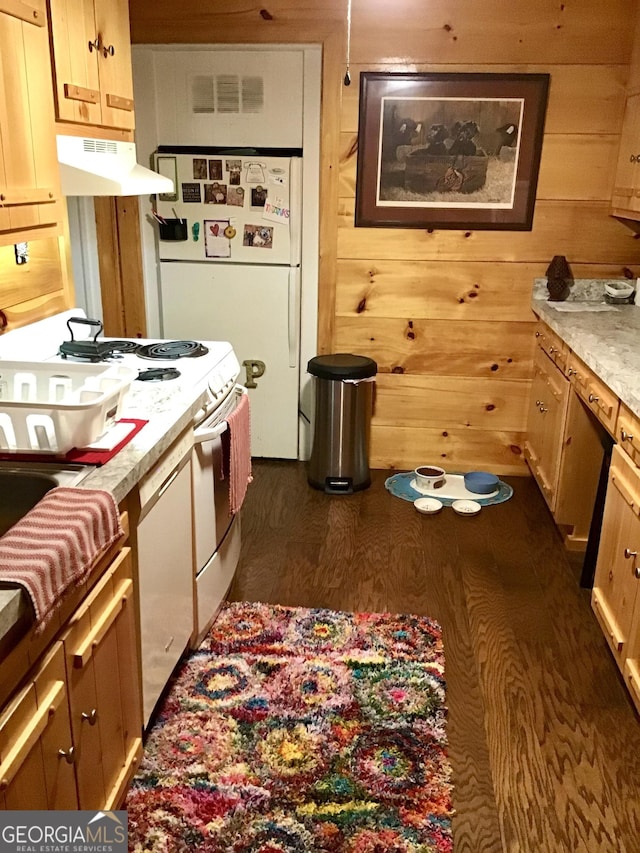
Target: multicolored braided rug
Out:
[301,730]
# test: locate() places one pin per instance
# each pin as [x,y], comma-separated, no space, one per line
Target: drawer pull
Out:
[91,717]
[593,398]
[625,436]
[106,620]
[542,408]
[637,573]
[628,553]
[27,739]
[69,755]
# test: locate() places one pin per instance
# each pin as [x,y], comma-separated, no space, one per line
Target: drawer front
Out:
[598,397]
[552,345]
[628,433]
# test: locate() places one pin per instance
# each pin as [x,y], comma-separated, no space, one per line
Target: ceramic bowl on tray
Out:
[465,507]
[428,506]
[481,482]
[429,477]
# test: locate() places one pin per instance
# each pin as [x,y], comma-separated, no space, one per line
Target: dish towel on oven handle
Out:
[56,545]
[238,452]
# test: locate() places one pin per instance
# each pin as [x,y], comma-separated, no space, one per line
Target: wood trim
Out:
[93,132]
[116,796]
[107,239]
[79,93]
[30,13]
[115,102]
[38,195]
[123,594]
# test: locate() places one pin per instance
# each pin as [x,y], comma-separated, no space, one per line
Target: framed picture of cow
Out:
[447,150]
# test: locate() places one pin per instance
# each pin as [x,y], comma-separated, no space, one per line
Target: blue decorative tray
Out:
[403,486]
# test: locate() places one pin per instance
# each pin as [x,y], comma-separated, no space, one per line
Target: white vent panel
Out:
[228,93]
[252,94]
[202,97]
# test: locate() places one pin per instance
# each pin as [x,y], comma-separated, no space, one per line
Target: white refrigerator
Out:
[229,247]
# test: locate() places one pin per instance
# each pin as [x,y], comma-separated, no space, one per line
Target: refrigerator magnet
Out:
[232,165]
[191,193]
[215,193]
[216,245]
[195,231]
[258,236]
[230,232]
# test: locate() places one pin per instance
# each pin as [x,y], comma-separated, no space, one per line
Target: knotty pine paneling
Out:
[431,401]
[471,348]
[489,31]
[448,308]
[456,450]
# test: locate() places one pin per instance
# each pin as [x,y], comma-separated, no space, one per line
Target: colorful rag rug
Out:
[301,730]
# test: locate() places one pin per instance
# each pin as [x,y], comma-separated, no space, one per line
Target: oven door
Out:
[211,516]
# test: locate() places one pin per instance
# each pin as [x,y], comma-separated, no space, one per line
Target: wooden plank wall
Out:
[446,313]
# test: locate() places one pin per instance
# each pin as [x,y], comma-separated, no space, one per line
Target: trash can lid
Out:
[342,365]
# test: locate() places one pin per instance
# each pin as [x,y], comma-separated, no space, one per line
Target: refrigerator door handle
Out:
[294,315]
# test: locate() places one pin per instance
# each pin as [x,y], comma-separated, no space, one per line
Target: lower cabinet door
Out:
[615,588]
[36,752]
[103,687]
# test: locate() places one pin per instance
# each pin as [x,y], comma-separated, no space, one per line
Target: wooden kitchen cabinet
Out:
[92,62]
[546,421]
[30,204]
[36,750]
[102,674]
[90,677]
[563,446]
[615,598]
[596,395]
[625,200]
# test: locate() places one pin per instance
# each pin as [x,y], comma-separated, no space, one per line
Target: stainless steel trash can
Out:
[344,384]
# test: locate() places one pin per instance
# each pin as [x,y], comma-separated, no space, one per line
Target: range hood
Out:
[105,167]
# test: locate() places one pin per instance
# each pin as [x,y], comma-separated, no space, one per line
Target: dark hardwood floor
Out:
[543,740]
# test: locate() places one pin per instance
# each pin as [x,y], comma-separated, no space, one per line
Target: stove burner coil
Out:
[172,350]
[122,347]
[158,374]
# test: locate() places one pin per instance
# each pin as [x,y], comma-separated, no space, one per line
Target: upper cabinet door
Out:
[116,82]
[75,48]
[92,62]
[29,180]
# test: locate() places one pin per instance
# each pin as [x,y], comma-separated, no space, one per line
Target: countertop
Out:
[169,408]
[606,337]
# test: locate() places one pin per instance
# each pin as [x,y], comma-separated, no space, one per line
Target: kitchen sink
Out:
[23,485]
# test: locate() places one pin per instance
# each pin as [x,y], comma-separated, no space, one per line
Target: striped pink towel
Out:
[57,543]
[239,450]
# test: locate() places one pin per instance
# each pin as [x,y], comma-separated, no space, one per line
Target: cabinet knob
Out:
[570,371]
[632,158]
[91,717]
[628,553]
[69,755]
[108,51]
[551,350]
[593,398]
[637,572]
[625,436]
[539,334]
[542,408]
[94,45]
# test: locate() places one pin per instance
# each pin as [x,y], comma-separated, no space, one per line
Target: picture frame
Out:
[448,150]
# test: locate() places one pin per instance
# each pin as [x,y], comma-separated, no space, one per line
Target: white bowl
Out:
[619,289]
[465,507]
[428,506]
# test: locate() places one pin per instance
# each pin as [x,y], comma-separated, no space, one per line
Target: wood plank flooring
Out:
[543,740]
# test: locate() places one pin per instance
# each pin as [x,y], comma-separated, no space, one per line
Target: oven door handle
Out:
[202,434]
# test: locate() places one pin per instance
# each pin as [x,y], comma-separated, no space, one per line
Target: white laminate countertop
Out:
[606,337]
[169,407]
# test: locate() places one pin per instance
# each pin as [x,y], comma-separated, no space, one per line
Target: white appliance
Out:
[229,247]
[188,543]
